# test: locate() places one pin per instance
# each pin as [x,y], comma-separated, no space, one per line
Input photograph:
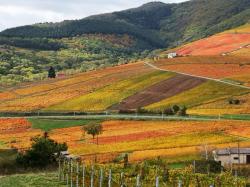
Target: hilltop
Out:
[158,24]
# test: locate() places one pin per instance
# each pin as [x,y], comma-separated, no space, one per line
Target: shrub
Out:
[232,101]
[205,166]
[42,153]
[182,111]
[175,108]
[168,111]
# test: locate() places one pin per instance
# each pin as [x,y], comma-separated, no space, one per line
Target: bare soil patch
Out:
[158,92]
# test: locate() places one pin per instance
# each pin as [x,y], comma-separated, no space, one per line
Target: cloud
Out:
[15,13]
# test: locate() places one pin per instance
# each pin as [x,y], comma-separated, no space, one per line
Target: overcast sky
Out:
[23,12]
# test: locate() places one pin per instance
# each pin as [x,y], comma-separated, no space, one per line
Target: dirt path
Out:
[196,76]
[159,91]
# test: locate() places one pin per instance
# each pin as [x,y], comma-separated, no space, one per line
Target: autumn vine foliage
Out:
[142,175]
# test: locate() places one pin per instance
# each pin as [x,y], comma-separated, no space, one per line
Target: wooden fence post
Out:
[92,177]
[63,174]
[71,173]
[101,178]
[110,178]
[67,174]
[138,181]
[157,182]
[122,181]
[77,173]
[179,183]
[67,179]
[59,169]
[83,175]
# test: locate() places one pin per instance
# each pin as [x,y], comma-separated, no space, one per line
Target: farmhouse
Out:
[172,55]
[232,156]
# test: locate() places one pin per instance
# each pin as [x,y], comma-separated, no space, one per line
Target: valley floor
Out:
[174,140]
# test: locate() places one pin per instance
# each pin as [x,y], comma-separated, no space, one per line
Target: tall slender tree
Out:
[51,72]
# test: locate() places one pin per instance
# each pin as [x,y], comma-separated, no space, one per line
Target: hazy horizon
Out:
[14,13]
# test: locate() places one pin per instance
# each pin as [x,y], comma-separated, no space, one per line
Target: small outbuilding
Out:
[232,156]
[172,55]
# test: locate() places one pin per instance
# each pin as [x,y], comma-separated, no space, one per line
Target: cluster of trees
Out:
[42,153]
[176,110]
[32,43]
[81,54]
[45,151]
[172,110]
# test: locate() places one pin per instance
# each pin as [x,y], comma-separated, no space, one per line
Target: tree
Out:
[175,108]
[94,130]
[41,153]
[182,111]
[232,101]
[126,160]
[51,73]
[168,111]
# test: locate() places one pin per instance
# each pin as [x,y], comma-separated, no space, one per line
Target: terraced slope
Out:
[205,93]
[162,90]
[46,93]
[232,68]
[220,44]
[211,70]
[105,97]
[222,106]
[245,52]
[216,45]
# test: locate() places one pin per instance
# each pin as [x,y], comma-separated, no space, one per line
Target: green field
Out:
[50,124]
[115,93]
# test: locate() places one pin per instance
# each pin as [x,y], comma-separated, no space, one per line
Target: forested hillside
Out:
[157,23]
[29,59]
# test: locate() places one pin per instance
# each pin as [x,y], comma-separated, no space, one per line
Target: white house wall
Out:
[229,159]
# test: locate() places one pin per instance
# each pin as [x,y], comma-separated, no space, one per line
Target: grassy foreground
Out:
[33,179]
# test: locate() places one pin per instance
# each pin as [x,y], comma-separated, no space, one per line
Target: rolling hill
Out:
[104,40]
[114,78]
[200,79]
[235,41]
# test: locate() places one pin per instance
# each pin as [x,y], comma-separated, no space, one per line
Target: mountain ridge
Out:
[160,24]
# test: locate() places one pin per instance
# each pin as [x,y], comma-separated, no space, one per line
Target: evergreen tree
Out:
[51,73]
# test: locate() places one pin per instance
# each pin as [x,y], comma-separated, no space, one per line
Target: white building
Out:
[232,156]
[172,55]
